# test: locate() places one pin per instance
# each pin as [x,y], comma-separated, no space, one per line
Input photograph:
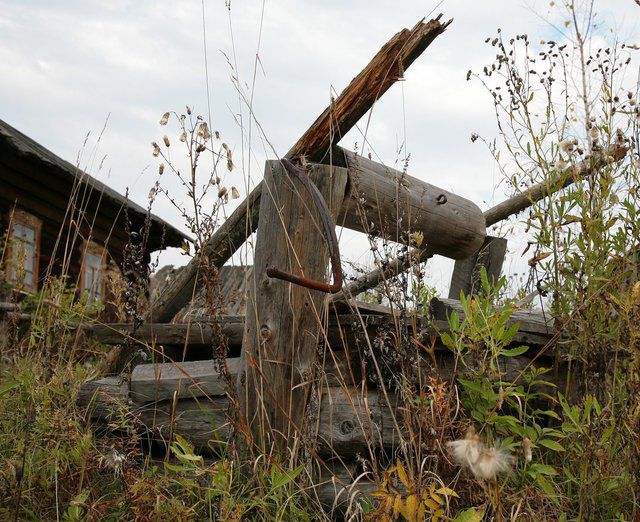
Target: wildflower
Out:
[526,448]
[566,146]
[203,131]
[417,238]
[500,397]
[165,118]
[561,164]
[484,462]
[114,460]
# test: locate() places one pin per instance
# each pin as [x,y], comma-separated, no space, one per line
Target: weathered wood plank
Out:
[387,67]
[530,321]
[341,328]
[157,382]
[466,272]
[194,333]
[283,320]
[202,422]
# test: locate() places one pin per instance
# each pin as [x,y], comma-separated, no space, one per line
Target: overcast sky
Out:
[65,65]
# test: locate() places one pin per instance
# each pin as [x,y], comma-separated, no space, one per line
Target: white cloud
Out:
[66,65]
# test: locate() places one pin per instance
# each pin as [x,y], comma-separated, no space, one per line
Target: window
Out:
[93,268]
[25,246]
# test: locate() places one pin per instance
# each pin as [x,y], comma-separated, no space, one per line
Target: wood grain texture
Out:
[194,333]
[466,272]
[391,204]
[387,67]
[158,382]
[283,320]
[340,333]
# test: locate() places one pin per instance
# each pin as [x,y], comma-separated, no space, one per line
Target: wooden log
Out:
[561,180]
[283,320]
[466,272]
[104,398]
[349,423]
[194,333]
[157,382]
[350,420]
[204,423]
[386,68]
[492,216]
[340,333]
[337,119]
[342,490]
[391,204]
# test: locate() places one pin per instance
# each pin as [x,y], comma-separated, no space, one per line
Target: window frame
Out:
[91,247]
[26,219]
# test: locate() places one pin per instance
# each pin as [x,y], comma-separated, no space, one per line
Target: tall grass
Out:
[476,436]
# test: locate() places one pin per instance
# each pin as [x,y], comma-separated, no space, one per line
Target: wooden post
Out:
[466,273]
[283,320]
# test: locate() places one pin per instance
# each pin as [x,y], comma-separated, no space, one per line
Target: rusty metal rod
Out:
[329,232]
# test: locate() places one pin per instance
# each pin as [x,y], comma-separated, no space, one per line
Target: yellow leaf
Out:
[397,506]
[534,260]
[412,507]
[431,504]
[403,474]
[447,491]
[437,498]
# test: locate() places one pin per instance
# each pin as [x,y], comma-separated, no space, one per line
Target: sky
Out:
[67,67]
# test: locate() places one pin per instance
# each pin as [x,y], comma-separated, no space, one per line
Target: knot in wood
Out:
[265,332]
[347,427]
[441,199]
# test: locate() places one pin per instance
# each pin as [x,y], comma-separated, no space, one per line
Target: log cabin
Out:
[58,220]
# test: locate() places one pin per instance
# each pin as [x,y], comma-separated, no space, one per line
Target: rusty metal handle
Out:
[329,232]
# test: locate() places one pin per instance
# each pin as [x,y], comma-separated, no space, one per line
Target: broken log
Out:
[387,67]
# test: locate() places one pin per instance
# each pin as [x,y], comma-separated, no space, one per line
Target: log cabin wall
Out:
[71,209]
